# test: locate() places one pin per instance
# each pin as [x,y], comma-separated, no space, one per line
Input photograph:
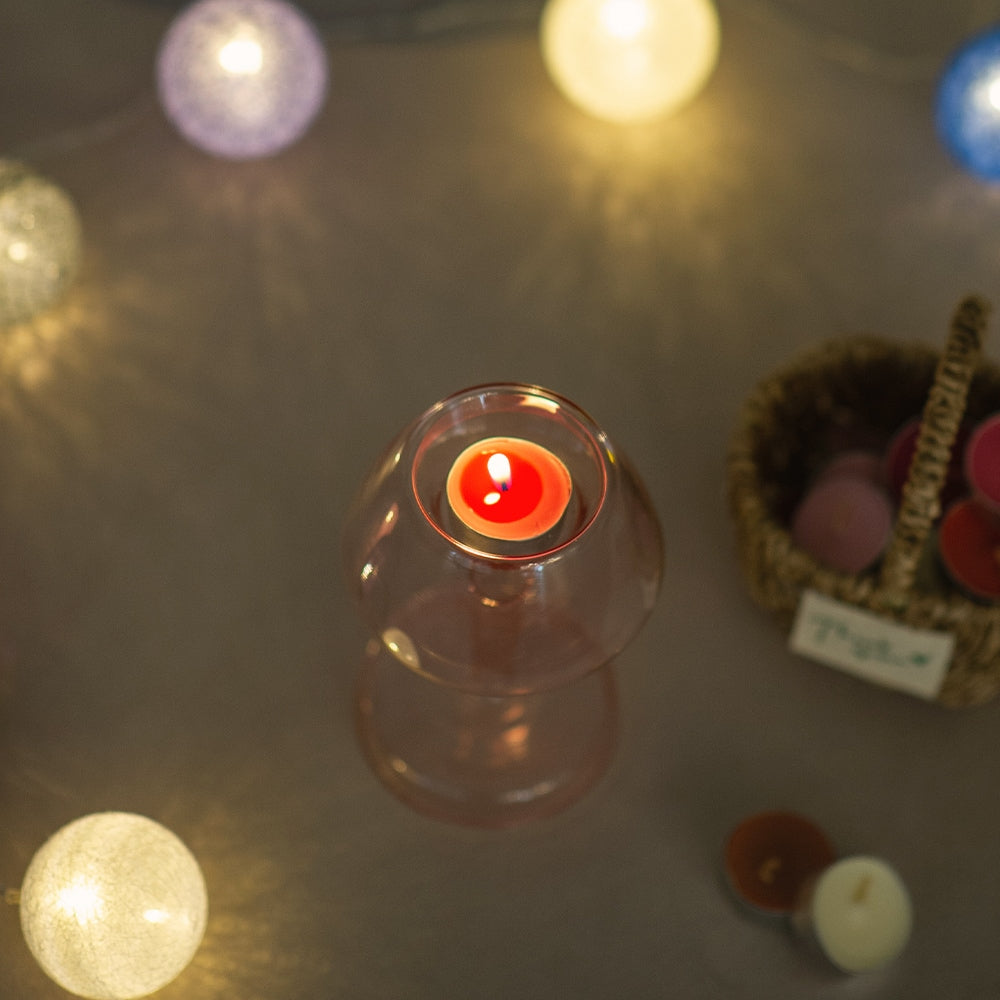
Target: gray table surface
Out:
[182,435]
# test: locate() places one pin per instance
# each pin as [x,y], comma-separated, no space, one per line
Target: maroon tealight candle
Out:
[969,546]
[899,457]
[982,463]
[769,858]
[843,521]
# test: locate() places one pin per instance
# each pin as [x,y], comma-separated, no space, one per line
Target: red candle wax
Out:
[969,546]
[770,856]
[982,463]
[508,488]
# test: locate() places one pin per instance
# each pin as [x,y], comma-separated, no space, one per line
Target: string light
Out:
[968,105]
[630,60]
[39,242]
[113,906]
[241,78]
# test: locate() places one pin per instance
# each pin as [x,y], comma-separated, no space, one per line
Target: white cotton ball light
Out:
[241,78]
[113,906]
[629,60]
[39,242]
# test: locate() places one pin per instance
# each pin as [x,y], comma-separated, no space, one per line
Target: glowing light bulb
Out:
[629,60]
[967,106]
[241,57]
[241,78]
[39,242]
[113,906]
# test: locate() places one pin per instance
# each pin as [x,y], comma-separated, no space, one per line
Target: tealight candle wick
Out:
[861,892]
[768,870]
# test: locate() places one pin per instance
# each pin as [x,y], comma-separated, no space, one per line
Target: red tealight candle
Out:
[770,856]
[969,545]
[509,489]
[982,463]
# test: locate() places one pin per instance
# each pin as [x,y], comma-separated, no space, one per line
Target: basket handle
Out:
[942,416]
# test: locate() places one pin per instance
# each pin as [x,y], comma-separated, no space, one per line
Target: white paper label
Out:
[867,645]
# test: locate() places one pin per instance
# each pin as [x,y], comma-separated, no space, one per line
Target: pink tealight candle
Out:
[844,522]
[861,464]
[969,546]
[509,489]
[982,463]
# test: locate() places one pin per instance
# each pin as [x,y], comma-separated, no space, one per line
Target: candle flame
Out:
[498,466]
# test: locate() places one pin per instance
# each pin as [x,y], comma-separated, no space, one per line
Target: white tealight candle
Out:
[859,912]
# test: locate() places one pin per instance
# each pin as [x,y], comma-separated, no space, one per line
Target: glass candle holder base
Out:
[484,760]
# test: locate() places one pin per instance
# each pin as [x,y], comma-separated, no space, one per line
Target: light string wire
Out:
[860,57]
[441,20]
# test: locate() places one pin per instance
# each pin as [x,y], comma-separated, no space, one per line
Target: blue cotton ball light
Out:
[968,105]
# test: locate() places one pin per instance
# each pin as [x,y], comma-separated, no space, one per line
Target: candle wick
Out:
[861,892]
[768,870]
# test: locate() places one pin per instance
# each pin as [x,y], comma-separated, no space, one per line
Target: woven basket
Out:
[858,391]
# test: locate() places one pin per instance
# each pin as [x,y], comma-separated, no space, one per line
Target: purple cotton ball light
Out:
[241,78]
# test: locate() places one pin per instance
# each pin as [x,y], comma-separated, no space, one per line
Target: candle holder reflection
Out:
[489,696]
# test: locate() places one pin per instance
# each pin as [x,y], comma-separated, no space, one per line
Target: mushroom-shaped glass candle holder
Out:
[502,552]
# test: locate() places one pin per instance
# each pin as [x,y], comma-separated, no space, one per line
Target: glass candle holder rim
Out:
[589,432]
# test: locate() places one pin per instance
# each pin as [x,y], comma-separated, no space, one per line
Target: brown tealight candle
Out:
[769,858]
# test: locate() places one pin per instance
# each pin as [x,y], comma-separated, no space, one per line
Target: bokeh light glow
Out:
[967,108]
[242,78]
[630,60]
[113,906]
[39,242]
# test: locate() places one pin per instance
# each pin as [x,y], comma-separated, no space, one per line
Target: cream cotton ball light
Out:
[629,60]
[113,906]
[39,242]
[241,78]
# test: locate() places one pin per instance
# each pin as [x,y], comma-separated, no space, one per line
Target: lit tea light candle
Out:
[509,489]
[770,856]
[982,464]
[969,547]
[843,521]
[859,912]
